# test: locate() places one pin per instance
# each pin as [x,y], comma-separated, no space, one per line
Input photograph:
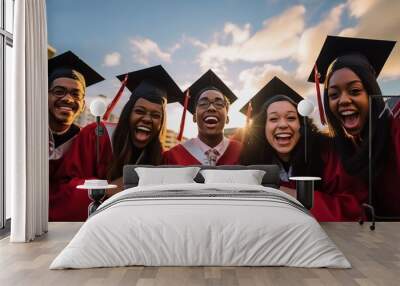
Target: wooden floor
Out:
[374,255]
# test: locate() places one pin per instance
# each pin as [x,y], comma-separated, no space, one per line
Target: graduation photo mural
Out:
[310,88]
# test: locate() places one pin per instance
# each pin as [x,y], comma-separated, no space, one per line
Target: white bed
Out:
[201,224]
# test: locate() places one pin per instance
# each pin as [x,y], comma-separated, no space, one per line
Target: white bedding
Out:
[187,230]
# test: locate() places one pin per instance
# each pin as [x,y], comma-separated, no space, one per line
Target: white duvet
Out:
[183,231]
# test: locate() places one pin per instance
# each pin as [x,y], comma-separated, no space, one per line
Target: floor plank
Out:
[374,255]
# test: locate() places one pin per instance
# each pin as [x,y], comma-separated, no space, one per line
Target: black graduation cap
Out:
[208,80]
[274,87]
[153,80]
[62,65]
[376,51]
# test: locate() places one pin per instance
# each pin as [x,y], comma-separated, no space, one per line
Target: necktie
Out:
[212,156]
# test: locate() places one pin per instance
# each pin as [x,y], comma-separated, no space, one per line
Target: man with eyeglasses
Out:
[209,104]
[68,78]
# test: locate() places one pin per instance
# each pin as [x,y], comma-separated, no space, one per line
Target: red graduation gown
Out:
[66,203]
[178,155]
[56,156]
[350,192]
[333,206]
[387,187]
[342,195]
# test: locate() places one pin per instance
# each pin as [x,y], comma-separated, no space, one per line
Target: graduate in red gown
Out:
[276,136]
[209,104]
[349,68]
[136,139]
[69,77]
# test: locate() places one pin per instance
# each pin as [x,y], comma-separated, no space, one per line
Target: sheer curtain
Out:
[27,124]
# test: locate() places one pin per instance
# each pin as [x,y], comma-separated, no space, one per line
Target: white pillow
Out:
[166,176]
[248,177]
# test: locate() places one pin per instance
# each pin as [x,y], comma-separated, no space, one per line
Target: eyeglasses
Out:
[60,92]
[205,103]
[144,112]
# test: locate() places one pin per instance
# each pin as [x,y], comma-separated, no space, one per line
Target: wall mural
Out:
[307,88]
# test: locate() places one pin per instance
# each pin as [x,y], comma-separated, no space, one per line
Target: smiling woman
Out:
[146,120]
[277,136]
[136,139]
[276,130]
[350,67]
[282,128]
[139,133]
[348,101]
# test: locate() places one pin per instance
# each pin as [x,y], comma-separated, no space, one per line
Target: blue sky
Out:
[245,42]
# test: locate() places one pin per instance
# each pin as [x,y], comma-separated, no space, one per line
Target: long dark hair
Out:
[124,152]
[355,160]
[257,150]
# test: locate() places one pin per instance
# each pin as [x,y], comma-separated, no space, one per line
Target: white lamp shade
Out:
[97,107]
[305,107]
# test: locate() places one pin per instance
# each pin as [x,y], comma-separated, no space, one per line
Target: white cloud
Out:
[375,19]
[194,42]
[312,39]
[286,37]
[357,8]
[277,39]
[174,48]
[378,20]
[112,59]
[255,78]
[238,35]
[145,50]
[281,37]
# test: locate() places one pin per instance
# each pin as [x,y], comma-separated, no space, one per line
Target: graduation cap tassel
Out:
[182,126]
[115,100]
[320,106]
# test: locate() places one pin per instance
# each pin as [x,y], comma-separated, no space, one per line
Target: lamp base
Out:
[96,195]
[305,193]
[372,213]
